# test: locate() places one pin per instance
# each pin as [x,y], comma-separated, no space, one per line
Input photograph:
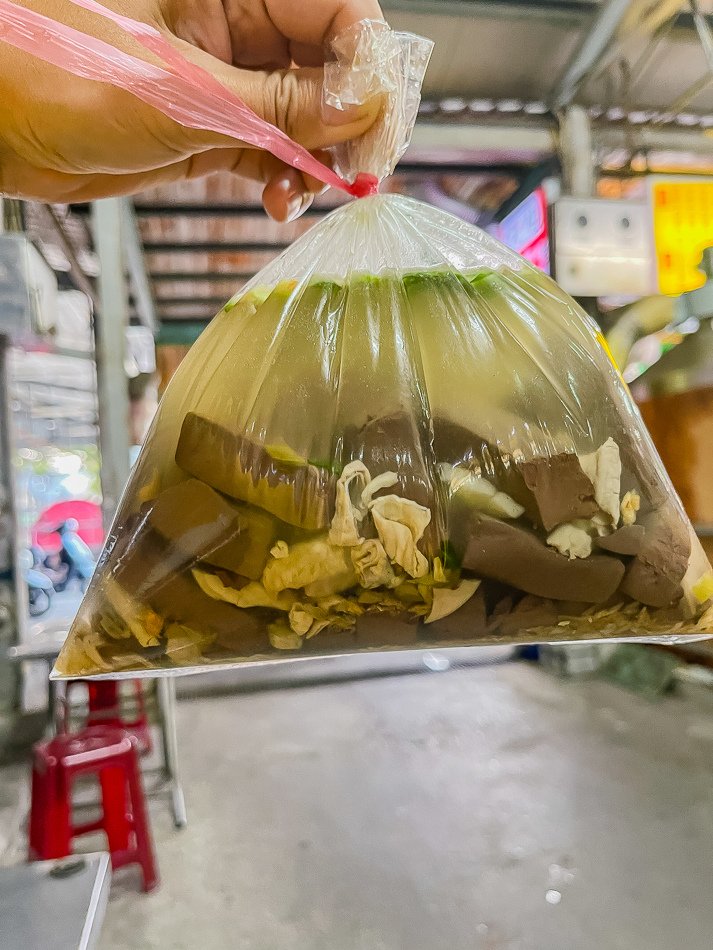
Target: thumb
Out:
[291,99]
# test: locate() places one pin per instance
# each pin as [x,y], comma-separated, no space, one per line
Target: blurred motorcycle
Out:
[39,587]
[76,555]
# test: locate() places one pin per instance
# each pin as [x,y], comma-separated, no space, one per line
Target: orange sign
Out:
[683,228]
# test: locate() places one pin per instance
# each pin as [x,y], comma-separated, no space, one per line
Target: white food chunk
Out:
[482,495]
[344,530]
[400,524]
[571,540]
[603,468]
[385,480]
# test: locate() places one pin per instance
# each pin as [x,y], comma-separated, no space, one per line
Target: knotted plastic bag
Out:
[399,435]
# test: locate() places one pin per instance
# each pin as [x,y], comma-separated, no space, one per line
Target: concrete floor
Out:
[479,809]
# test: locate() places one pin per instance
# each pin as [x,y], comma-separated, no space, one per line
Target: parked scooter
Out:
[76,555]
[39,587]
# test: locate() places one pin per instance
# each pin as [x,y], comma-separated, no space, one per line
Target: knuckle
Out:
[282,92]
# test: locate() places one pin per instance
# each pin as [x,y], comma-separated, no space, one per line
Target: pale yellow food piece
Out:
[144,623]
[252,595]
[400,524]
[447,600]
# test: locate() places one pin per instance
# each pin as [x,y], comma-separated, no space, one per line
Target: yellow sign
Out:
[683,228]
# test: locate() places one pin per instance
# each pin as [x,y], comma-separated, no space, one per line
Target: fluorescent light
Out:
[453,105]
[481,105]
[509,105]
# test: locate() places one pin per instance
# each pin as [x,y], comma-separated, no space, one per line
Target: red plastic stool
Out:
[105,709]
[110,754]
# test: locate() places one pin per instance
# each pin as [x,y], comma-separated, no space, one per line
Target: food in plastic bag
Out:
[399,435]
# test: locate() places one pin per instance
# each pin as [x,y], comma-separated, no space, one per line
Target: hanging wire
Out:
[662,33]
[705,36]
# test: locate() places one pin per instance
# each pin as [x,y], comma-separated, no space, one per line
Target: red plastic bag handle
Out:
[180,89]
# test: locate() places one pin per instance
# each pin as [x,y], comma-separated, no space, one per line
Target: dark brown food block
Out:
[467,623]
[561,489]
[495,593]
[331,640]
[396,443]
[240,632]
[200,522]
[627,540]
[654,577]
[529,614]
[259,532]
[516,556]
[385,629]
[402,443]
[501,610]
[148,562]
[298,493]
[154,572]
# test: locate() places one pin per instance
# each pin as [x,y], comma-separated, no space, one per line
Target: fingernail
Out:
[294,207]
[303,202]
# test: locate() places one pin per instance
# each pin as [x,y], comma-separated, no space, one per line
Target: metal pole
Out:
[166,686]
[576,152]
[145,307]
[110,341]
[13,590]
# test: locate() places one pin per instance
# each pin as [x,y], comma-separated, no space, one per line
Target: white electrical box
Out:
[603,247]
[73,329]
[140,352]
[28,289]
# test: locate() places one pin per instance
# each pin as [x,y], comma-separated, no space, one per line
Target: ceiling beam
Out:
[457,166]
[211,275]
[537,142]
[501,144]
[651,138]
[213,247]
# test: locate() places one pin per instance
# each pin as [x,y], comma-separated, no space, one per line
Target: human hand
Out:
[64,139]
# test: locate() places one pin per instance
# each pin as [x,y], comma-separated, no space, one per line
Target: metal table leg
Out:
[52,703]
[167,705]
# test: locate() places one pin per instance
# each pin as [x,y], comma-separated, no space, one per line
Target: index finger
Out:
[309,34]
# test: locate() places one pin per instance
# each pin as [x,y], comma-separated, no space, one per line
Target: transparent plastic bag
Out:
[400,435]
